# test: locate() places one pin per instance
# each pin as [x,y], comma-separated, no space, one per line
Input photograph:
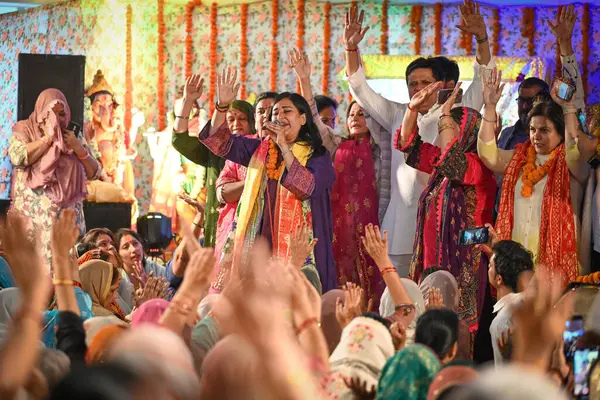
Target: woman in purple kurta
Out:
[289,179]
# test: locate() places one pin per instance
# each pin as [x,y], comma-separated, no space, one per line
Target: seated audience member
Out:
[100,238]
[327,108]
[449,381]
[101,280]
[509,259]
[438,330]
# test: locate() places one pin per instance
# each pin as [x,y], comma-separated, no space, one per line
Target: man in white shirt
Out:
[509,260]
[406,183]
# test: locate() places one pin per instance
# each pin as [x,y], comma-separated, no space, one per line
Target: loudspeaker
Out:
[155,229]
[38,72]
[113,216]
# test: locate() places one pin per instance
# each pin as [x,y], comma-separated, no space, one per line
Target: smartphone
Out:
[573,331]
[565,89]
[583,126]
[444,95]
[470,237]
[582,364]
[75,127]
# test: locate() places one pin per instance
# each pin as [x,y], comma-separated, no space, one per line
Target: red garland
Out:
[437,15]
[300,42]
[528,29]
[161,65]
[496,28]
[383,39]
[244,50]
[416,12]
[585,37]
[189,10]
[128,76]
[326,48]
[213,57]
[274,49]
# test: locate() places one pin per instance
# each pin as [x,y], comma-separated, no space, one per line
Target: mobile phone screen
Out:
[582,364]
[573,331]
[565,91]
[470,237]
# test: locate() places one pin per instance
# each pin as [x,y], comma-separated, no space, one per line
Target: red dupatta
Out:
[558,243]
[354,205]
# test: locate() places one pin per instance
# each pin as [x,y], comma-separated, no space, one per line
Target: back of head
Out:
[449,69]
[149,312]
[533,82]
[54,365]
[438,330]
[510,260]
[100,382]
[323,102]
[426,63]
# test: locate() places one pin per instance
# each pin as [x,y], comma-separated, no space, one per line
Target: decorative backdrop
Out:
[98,29]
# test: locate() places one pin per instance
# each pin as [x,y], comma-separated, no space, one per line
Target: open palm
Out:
[353,30]
[565,22]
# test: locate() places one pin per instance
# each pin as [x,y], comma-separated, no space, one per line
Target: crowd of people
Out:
[317,265]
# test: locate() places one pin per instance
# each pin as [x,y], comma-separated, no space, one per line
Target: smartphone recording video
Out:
[444,95]
[573,331]
[582,365]
[471,237]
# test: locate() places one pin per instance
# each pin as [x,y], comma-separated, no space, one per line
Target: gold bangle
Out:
[444,127]
[488,120]
[66,282]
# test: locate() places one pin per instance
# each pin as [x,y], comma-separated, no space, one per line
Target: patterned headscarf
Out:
[364,348]
[408,374]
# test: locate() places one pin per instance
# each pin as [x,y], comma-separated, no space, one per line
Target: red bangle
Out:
[410,108]
[87,154]
[306,324]
[352,50]
[388,270]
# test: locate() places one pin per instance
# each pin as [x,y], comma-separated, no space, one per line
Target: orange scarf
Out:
[558,244]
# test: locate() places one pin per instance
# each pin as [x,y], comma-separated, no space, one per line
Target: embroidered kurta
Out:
[312,182]
[460,195]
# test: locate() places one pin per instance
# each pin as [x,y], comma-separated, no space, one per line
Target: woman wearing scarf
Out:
[364,348]
[230,185]
[282,190]
[459,194]
[449,380]
[101,280]
[408,374]
[387,308]
[544,180]
[52,165]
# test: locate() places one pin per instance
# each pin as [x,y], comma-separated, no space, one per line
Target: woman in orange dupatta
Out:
[543,182]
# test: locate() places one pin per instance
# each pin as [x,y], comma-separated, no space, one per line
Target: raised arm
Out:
[384,111]
[191,93]
[302,67]
[409,124]
[494,158]
[474,24]
[227,90]
[578,146]
[563,31]
[64,237]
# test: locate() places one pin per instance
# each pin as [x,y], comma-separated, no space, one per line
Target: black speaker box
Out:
[155,229]
[38,72]
[113,216]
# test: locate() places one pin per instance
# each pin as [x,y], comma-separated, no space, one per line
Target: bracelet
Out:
[409,107]
[180,117]
[182,308]
[388,270]
[488,120]
[569,111]
[485,39]
[352,50]
[306,324]
[443,127]
[221,108]
[63,282]
[287,151]
[445,116]
[87,154]
[47,139]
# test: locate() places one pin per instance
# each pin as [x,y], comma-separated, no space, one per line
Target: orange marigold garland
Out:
[244,50]
[383,39]
[437,15]
[416,14]
[213,57]
[532,174]
[496,28]
[300,42]
[189,10]
[274,49]
[161,65]
[272,157]
[128,75]
[528,29]
[326,48]
[585,52]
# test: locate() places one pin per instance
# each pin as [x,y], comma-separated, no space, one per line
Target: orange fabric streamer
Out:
[213,57]
[274,49]
[496,28]
[161,65]
[437,15]
[383,39]
[128,75]
[326,48]
[244,50]
[300,42]
[416,14]
[528,29]
[189,11]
